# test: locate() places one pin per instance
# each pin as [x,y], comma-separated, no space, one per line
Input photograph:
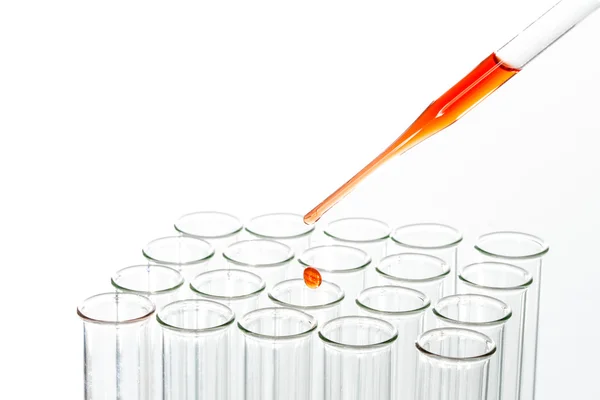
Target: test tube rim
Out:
[255,293]
[141,318]
[520,287]
[449,245]
[441,276]
[471,332]
[288,258]
[308,332]
[310,228]
[496,322]
[148,293]
[313,307]
[196,331]
[341,239]
[419,310]
[544,247]
[336,271]
[222,236]
[347,346]
[210,254]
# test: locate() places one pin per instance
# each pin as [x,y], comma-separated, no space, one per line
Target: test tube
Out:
[218,228]
[405,309]
[323,303]
[509,284]
[434,239]
[483,314]
[367,234]
[358,357]
[115,346]
[343,265]
[195,349]
[421,272]
[525,251]
[186,254]
[161,285]
[453,364]
[277,353]
[240,291]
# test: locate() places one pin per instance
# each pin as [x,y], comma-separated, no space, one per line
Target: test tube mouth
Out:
[208,225]
[195,316]
[495,276]
[472,310]
[358,333]
[335,258]
[147,279]
[294,293]
[279,226]
[277,324]
[227,284]
[427,236]
[456,344]
[511,245]
[358,230]
[413,268]
[392,301]
[116,308]
[178,250]
[258,253]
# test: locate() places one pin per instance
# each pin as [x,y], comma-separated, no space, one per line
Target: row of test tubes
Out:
[220,310]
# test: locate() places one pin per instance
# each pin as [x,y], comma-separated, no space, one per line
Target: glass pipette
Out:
[488,76]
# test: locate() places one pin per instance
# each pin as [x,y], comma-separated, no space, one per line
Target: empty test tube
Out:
[116,346]
[405,309]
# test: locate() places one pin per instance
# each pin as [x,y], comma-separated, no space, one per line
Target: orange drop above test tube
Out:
[312,277]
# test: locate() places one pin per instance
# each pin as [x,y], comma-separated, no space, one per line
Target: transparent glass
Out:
[358,357]
[420,272]
[367,234]
[483,314]
[509,284]
[405,309]
[277,353]
[162,286]
[239,290]
[525,251]
[116,349]
[437,240]
[343,265]
[195,349]
[453,364]
[323,303]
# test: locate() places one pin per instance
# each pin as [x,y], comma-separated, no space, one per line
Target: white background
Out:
[118,116]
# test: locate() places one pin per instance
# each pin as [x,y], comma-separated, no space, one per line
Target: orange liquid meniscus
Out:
[312,278]
[488,76]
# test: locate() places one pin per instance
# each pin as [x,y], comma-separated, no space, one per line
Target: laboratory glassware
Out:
[116,346]
[483,314]
[527,252]
[405,309]
[277,353]
[453,364]
[358,357]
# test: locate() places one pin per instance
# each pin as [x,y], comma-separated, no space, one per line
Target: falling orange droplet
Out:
[312,278]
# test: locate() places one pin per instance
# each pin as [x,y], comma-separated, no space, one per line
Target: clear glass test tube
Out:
[358,357]
[368,234]
[343,265]
[161,284]
[239,290]
[218,228]
[509,284]
[525,251]
[277,354]
[437,240]
[420,272]
[483,314]
[323,303]
[195,349]
[116,346]
[453,364]
[405,309]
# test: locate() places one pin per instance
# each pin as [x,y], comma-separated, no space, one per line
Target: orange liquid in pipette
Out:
[488,76]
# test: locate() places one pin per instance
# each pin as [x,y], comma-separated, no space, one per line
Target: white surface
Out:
[118,117]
